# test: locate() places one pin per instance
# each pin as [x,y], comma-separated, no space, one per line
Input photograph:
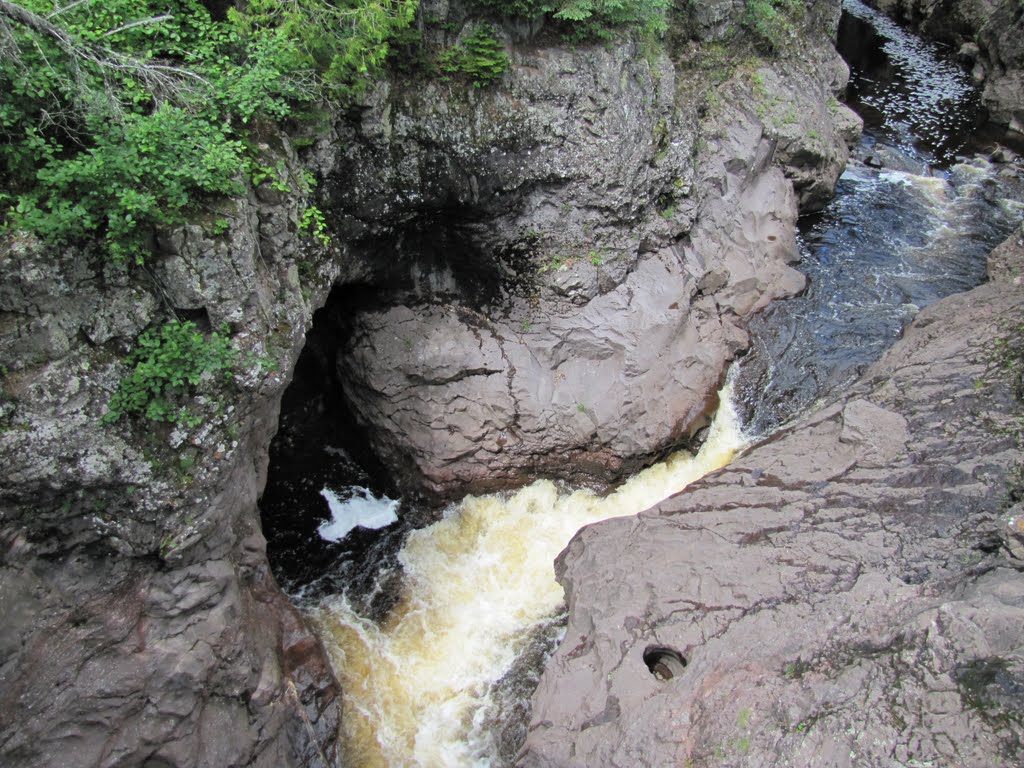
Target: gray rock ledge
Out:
[846,593]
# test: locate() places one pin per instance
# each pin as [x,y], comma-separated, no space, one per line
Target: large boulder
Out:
[458,399]
[577,253]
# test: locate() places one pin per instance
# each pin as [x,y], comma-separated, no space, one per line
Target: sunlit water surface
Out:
[911,222]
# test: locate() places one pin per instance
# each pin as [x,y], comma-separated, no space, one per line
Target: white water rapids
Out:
[417,688]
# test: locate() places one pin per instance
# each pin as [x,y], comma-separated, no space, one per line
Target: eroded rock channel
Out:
[583,367]
[546,278]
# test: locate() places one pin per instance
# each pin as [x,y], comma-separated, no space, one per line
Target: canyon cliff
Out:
[606,214]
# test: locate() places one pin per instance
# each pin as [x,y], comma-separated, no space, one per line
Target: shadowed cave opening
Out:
[322,444]
[319,444]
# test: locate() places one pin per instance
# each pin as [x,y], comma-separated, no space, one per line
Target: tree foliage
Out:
[168,365]
[590,18]
[480,57]
[122,115]
[773,23]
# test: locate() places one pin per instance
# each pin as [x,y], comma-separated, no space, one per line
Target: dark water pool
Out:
[912,221]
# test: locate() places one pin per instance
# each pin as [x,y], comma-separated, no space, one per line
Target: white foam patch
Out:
[360,510]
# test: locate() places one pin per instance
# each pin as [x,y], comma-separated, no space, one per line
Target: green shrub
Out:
[119,116]
[773,22]
[526,9]
[168,364]
[480,57]
[312,224]
[343,42]
[595,18]
[581,19]
[138,172]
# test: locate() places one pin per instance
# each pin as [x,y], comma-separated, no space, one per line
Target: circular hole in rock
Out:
[664,663]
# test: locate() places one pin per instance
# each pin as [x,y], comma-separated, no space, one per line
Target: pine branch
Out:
[162,79]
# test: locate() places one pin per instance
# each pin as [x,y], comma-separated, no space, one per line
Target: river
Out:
[911,222]
[438,633]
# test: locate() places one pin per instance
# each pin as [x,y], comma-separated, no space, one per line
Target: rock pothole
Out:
[664,663]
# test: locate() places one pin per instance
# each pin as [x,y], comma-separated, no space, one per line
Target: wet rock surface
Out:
[847,592]
[1004,263]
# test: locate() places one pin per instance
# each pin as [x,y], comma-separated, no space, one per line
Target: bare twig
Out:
[67,8]
[139,23]
[162,79]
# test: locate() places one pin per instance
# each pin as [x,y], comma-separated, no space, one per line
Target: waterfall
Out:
[419,687]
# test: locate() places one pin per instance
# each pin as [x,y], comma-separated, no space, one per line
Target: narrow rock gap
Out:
[429,260]
[318,444]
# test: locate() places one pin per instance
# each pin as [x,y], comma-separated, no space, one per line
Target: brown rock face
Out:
[1005,262]
[193,660]
[466,400]
[842,595]
[141,624]
[626,221]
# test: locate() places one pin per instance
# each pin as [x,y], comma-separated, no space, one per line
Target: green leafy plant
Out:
[595,19]
[773,22]
[119,117]
[220,226]
[312,223]
[139,172]
[276,177]
[480,57]
[168,365]
[555,263]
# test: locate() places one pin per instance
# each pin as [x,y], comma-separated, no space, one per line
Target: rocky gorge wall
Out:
[142,625]
[847,592]
[608,222]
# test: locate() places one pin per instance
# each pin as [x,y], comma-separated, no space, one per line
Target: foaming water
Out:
[419,686]
[355,508]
